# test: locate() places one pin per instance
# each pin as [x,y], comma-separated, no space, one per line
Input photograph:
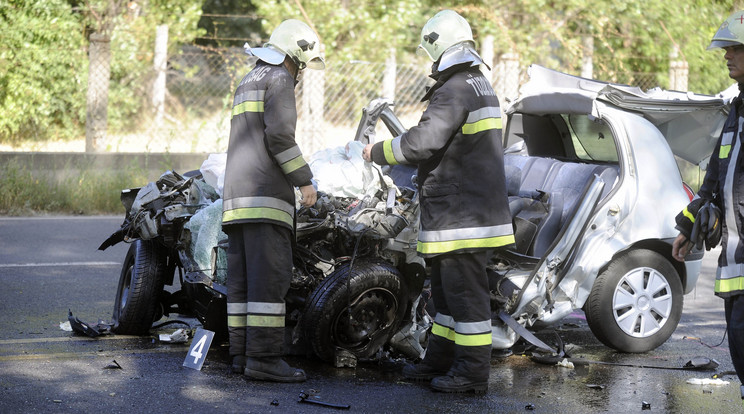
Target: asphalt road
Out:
[51,265]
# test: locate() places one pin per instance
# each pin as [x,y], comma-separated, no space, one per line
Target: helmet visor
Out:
[720,44]
[316,63]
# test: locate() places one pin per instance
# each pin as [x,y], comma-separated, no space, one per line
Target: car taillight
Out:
[688,190]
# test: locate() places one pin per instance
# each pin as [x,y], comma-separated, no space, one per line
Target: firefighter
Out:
[464,209]
[264,164]
[717,212]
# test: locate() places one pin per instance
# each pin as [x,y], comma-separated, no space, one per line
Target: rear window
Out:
[591,138]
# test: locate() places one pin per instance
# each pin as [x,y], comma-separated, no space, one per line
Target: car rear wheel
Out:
[357,312]
[636,303]
[141,282]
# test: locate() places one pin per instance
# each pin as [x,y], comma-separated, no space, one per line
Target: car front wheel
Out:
[141,282]
[636,303]
[357,311]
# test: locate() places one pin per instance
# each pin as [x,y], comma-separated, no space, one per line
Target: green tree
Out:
[354,29]
[132,33]
[42,70]
[634,36]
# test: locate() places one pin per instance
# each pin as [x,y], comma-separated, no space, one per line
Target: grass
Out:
[79,192]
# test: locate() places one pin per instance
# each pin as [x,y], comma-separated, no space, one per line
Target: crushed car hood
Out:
[690,122]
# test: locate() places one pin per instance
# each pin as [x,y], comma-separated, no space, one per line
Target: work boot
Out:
[449,383]
[422,372]
[238,364]
[272,369]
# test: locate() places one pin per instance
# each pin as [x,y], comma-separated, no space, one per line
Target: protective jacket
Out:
[457,148]
[724,185]
[264,163]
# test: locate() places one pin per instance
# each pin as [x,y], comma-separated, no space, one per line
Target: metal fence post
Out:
[678,71]
[311,113]
[507,84]
[487,56]
[587,58]
[388,78]
[159,65]
[99,72]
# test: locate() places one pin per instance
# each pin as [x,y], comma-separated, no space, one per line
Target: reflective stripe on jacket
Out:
[264,163]
[725,186]
[457,148]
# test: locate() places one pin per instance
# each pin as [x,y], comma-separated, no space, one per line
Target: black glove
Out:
[713,228]
[705,228]
[686,218]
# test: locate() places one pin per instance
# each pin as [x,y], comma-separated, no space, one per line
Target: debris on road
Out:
[707,381]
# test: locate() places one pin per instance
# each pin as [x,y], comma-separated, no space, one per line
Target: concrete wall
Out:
[62,163]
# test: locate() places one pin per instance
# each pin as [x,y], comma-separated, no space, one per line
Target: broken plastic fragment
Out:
[81,327]
[565,363]
[178,337]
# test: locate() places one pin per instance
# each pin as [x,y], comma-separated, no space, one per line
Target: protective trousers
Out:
[734,310]
[461,334]
[259,264]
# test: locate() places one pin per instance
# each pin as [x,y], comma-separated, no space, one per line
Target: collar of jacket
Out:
[737,102]
[280,65]
[442,77]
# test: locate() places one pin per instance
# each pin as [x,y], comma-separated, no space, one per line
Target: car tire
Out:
[376,297]
[141,282]
[636,302]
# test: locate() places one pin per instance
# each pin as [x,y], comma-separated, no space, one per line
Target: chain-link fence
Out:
[193,115]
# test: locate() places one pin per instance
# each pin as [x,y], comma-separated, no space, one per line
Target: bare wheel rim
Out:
[642,302]
[368,316]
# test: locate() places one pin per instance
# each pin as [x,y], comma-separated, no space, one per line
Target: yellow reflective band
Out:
[689,215]
[248,106]
[234,321]
[473,340]
[452,245]
[265,321]
[257,213]
[724,151]
[387,149]
[293,165]
[729,285]
[443,331]
[482,125]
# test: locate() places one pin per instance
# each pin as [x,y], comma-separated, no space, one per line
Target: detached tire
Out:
[636,303]
[141,281]
[358,312]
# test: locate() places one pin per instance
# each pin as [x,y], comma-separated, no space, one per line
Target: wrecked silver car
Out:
[594,188]
[356,281]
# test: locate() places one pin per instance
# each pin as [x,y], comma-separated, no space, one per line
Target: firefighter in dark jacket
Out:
[264,165]
[464,209]
[717,212]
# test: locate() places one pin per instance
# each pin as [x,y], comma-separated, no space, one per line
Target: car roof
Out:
[684,118]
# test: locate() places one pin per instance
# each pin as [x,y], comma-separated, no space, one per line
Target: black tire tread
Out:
[598,308]
[323,303]
[149,263]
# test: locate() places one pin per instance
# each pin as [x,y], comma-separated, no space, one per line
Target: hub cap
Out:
[642,302]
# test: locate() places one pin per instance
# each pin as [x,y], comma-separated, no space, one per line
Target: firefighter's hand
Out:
[367,153]
[680,247]
[309,195]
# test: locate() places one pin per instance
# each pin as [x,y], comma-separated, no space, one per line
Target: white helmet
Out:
[444,30]
[295,39]
[731,32]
